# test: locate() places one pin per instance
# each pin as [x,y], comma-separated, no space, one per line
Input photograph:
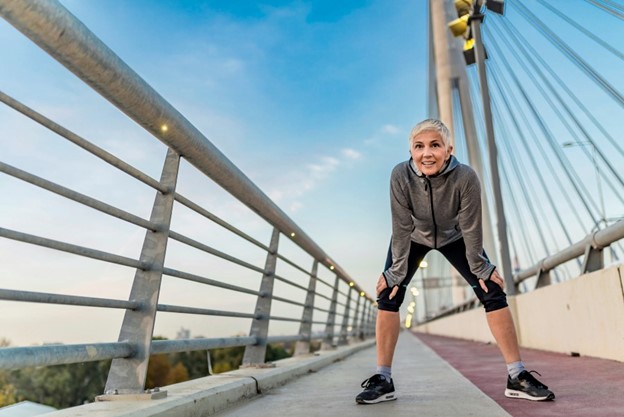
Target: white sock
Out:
[515,368]
[386,371]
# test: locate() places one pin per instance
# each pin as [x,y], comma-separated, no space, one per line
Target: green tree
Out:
[195,362]
[60,386]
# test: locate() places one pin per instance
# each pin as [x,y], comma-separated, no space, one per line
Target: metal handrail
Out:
[22,357]
[597,241]
[70,248]
[46,22]
[48,298]
[84,144]
[77,197]
[70,42]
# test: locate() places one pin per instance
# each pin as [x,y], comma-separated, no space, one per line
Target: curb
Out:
[209,395]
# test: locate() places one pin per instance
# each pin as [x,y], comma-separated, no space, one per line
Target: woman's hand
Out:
[382,285]
[495,278]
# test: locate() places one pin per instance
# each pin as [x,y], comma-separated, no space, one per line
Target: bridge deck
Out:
[426,386]
[440,376]
[584,386]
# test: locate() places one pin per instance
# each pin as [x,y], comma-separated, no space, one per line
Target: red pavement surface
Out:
[584,386]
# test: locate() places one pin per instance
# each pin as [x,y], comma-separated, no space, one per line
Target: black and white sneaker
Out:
[526,386]
[376,389]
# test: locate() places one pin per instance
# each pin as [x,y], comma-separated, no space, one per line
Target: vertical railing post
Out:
[255,354]
[302,347]
[369,320]
[544,278]
[328,340]
[127,375]
[344,332]
[374,311]
[355,326]
[593,260]
[363,324]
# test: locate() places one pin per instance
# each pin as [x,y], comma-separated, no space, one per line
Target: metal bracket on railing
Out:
[302,347]
[543,277]
[328,340]
[254,354]
[594,259]
[344,329]
[127,376]
[149,394]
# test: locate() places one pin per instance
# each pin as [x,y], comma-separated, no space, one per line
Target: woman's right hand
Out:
[382,285]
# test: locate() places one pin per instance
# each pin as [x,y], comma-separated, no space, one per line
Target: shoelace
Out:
[370,381]
[534,380]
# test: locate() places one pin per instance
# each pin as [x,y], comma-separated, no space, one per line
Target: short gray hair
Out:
[431,125]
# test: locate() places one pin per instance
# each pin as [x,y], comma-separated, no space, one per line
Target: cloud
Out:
[290,188]
[351,154]
[391,129]
[381,136]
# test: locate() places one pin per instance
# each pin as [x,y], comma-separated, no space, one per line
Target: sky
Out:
[313,101]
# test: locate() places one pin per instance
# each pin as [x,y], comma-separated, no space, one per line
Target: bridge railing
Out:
[591,248]
[346,310]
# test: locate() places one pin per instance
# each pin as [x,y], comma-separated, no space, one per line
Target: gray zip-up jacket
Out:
[435,211]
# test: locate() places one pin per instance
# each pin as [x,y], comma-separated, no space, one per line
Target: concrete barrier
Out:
[584,315]
[209,395]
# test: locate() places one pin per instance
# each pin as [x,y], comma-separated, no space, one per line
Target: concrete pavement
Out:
[426,386]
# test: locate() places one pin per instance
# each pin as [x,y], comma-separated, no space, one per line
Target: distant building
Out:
[25,409]
[183,334]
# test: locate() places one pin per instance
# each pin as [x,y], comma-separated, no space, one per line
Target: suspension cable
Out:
[563,160]
[569,112]
[514,151]
[511,28]
[582,29]
[569,52]
[606,8]
[525,193]
[536,68]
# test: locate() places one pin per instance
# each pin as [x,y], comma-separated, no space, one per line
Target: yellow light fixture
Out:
[459,27]
[463,6]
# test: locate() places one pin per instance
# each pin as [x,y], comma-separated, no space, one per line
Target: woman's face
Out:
[429,152]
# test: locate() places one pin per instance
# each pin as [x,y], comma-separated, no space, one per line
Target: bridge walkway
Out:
[426,386]
[585,386]
[438,376]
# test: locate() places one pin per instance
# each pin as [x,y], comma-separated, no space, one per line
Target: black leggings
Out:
[455,253]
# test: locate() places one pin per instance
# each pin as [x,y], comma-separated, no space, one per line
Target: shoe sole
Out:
[385,397]
[512,393]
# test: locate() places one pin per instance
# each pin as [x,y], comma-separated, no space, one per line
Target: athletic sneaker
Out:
[528,387]
[376,389]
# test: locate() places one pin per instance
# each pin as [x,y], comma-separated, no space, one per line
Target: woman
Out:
[436,204]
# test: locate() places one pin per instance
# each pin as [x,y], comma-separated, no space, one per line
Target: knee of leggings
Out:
[495,299]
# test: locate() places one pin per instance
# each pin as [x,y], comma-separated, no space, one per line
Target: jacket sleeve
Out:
[402,227]
[470,223]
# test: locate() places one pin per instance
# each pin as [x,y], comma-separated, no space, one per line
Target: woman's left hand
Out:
[495,278]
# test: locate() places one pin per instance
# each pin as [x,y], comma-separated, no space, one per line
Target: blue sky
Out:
[313,101]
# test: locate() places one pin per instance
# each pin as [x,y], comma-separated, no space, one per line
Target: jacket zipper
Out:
[435,225]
